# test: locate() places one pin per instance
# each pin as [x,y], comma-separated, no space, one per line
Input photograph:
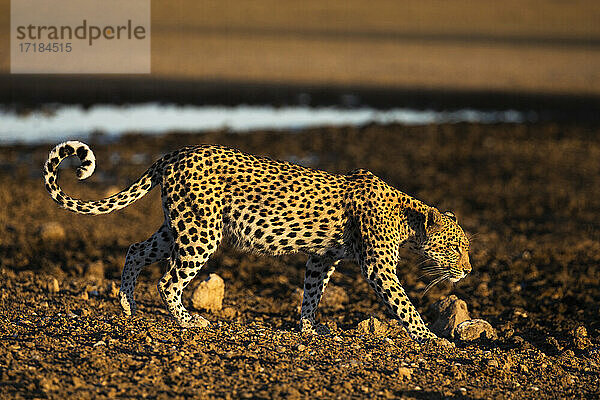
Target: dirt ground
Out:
[528,194]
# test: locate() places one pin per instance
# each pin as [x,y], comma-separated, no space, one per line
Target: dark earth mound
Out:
[528,194]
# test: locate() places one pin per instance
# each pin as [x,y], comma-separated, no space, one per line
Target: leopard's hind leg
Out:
[139,255]
[197,231]
[318,272]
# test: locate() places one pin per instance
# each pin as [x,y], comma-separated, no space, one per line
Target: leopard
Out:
[212,194]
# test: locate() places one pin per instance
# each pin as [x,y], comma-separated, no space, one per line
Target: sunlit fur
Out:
[446,251]
[214,193]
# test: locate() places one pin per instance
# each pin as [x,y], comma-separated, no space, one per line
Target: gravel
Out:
[527,194]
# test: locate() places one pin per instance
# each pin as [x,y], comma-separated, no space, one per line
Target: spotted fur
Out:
[212,192]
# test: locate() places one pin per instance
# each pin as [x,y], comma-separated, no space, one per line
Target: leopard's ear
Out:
[451,215]
[433,219]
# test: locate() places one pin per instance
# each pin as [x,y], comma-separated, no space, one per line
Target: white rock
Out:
[451,312]
[96,270]
[52,232]
[473,329]
[209,294]
[53,285]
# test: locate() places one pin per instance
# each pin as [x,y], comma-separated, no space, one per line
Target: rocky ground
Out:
[528,195]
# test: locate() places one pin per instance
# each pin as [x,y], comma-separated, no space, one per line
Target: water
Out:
[61,122]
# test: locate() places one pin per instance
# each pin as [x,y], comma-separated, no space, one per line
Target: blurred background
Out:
[528,54]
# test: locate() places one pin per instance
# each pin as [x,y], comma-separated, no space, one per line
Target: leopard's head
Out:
[445,246]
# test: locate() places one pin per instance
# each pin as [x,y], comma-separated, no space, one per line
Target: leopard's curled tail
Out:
[88,163]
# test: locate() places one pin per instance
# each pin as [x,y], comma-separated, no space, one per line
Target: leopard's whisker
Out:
[473,237]
[431,266]
[435,282]
[435,273]
[434,268]
[426,260]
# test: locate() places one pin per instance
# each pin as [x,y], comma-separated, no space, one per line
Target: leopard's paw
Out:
[306,326]
[437,342]
[424,337]
[310,328]
[127,304]
[196,321]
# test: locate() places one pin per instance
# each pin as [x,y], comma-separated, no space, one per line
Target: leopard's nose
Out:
[466,265]
[467,268]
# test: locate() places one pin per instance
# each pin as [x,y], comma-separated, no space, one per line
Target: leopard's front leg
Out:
[390,292]
[376,231]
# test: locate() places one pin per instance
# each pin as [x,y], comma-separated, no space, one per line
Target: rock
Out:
[451,312]
[96,270]
[581,341]
[507,330]
[553,344]
[52,286]
[52,232]
[482,290]
[47,385]
[518,341]
[454,321]
[404,373]
[371,326]
[519,313]
[473,329]
[507,366]
[229,313]
[209,294]
[567,380]
[77,382]
[334,298]
[568,354]
[113,290]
